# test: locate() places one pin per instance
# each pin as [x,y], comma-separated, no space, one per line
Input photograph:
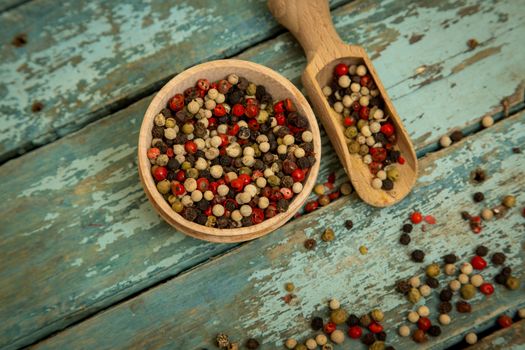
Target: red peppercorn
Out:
[334,195]
[203,84]
[245,178]
[341,69]
[329,327]
[429,219]
[356,106]
[478,262]
[424,324]
[177,188]
[288,105]
[252,110]
[190,147]
[416,217]
[331,178]
[365,80]
[237,184]
[311,206]
[280,118]
[213,187]
[375,167]
[253,124]
[153,153]
[271,211]
[375,327]
[219,110]
[401,160]
[238,110]
[208,211]
[287,193]
[278,107]
[387,129]
[378,154]
[160,173]
[364,112]
[203,184]
[298,175]
[234,129]
[224,140]
[170,153]
[348,121]
[223,86]
[355,332]
[504,321]
[257,216]
[486,288]
[212,123]
[177,102]
[180,176]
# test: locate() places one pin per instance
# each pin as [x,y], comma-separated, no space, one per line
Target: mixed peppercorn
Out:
[369,130]
[226,155]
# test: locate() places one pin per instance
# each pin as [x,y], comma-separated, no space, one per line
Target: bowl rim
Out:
[211,233]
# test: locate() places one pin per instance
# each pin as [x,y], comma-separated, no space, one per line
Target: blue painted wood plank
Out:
[512,338]
[84,210]
[6,5]
[241,292]
[86,59]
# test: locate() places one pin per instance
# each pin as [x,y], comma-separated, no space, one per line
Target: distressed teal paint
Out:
[240,292]
[77,220]
[84,59]
[512,338]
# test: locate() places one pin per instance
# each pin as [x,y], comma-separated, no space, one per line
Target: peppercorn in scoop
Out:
[225,155]
[369,131]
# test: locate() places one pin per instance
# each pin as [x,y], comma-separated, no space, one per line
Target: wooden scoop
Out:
[310,22]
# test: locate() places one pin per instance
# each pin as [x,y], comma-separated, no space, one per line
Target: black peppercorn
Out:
[157,132]
[450,259]
[352,320]
[404,239]
[478,175]
[190,214]
[498,258]
[252,344]
[445,307]
[456,136]
[387,185]
[506,271]
[246,221]
[403,286]
[482,250]
[201,219]
[316,323]
[434,331]
[432,282]
[465,215]
[349,224]
[418,255]
[407,228]
[310,243]
[368,339]
[463,307]
[478,197]
[303,163]
[381,336]
[501,279]
[222,222]
[282,205]
[445,295]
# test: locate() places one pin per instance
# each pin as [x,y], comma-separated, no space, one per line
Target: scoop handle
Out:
[310,22]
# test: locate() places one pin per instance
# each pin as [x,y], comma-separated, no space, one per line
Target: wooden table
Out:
[86,263]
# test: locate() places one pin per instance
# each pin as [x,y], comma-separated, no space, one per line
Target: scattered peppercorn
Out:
[504,321]
[349,224]
[456,136]
[316,323]
[407,228]
[19,40]
[468,291]
[472,43]
[289,287]
[328,235]
[404,239]
[403,286]
[512,283]
[419,336]
[414,295]
[365,320]
[381,336]
[498,258]
[432,282]
[509,201]
[463,307]
[37,107]
[450,259]
[445,295]
[222,340]
[310,244]
[432,270]
[338,316]
[252,344]
[352,320]
[478,197]
[368,339]
[482,250]
[445,307]
[516,150]
[363,250]
[478,176]
[417,255]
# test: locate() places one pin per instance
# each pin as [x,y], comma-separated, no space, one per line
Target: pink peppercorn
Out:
[160,173]
[287,193]
[153,153]
[341,69]
[177,102]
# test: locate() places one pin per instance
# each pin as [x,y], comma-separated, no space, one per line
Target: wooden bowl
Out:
[280,88]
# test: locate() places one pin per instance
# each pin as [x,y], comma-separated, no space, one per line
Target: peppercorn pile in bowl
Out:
[368,130]
[228,151]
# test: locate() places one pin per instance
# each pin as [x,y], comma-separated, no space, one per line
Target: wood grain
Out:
[512,338]
[275,84]
[241,292]
[75,217]
[87,59]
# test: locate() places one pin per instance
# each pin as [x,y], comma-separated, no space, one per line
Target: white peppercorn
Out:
[290,343]
[170,133]
[487,121]
[471,338]
[338,107]
[297,187]
[444,319]
[321,339]
[423,311]
[425,290]
[160,120]
[445,141]
[208,195]
[193,107]
[334,304]
[414,281]
[487,214]
[344,81]
[413,317]
[375,127]
[307,136]
[190,185]
[377,183]
[263,202]
[216,171]
[223,190]
[311,344]
[476,280]
[196,196]
[246,210]
[450,269]
[327,91]
[378,114]
[361,70]
[365,131]
[347,101]
[299,152]
[364,101]
[337,336]
[186,201]
[355,87]
[466,268]
[404,331]
[454,285]
[218,210]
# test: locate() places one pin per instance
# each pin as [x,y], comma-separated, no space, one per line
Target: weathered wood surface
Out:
[85,59]
[240,293]
[81,227]
[512,338]
[10,4]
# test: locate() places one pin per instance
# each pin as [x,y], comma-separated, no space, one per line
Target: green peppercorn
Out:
[185,165]
[509,201]
[363,150]
[251,89]
[414,295]
[351,132]
[392,173]
[328,235]
[346,189]
[177,206]
[245,170]
[211,221]
[365,320]
[164,186]
[377,315]
[274,181]
[187,128]
[170,123]
[353,147]
[301,347]
[361,123]
[377,345]
[512,283]
[323,200]
[289,287]
[338,316]
[432,270]
[192,173]
[468,291]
